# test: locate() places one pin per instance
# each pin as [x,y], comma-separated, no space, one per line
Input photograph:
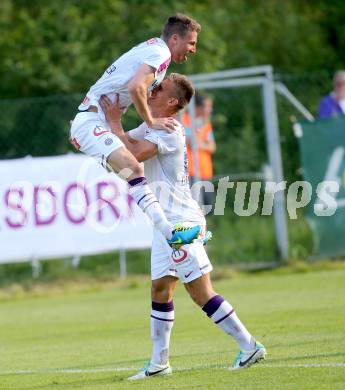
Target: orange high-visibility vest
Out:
[204,157]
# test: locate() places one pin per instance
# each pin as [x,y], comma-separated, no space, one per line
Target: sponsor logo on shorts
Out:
[178,255]
[108,141]
[99,130]
[188,274]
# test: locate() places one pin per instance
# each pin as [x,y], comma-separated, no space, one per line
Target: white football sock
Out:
[147,201]
[162,321]
[223,315]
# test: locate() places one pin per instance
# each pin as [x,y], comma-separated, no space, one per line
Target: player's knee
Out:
[133,169]
[124,164]
[200,297]
[137,169]
[193,292]
[160,291]
[195,296]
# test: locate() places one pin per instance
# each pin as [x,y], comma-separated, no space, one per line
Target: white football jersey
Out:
[153,52]
[167,174]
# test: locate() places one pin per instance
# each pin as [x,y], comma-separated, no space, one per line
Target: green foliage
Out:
[63,46]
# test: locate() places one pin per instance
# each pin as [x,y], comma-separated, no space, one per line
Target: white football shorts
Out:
[188,263]
[92,136]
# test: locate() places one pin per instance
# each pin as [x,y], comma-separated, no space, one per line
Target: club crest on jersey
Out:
[152,41]
[178,255]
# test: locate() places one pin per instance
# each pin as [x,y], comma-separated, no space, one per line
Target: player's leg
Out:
[125,164]
[221,312]
[162,318]
[162,321]
[162,309]
[193,267]
[127,167]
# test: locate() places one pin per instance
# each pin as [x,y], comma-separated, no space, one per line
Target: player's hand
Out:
[112,111]
[169,124]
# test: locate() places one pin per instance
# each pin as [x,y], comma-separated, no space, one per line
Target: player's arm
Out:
[141,150]
[138,87]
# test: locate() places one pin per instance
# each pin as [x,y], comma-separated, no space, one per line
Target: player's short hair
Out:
[184,90]
[180,24]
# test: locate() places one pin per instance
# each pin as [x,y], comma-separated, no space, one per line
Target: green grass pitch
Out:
[95,338]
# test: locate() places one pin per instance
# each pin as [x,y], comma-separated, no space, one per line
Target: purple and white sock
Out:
[162,321]
[223,314]
[147,201]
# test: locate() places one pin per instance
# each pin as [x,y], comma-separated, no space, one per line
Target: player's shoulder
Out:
[179,127]
[155,44]
[159,42]
[178,131]
[171,137]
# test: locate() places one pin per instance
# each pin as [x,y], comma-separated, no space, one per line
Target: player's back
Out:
[153,52]
[167,174]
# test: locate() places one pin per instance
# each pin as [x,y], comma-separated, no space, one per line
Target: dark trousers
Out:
[205,198]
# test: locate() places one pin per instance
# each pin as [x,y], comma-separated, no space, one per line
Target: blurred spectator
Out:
[333,104]
[205,142]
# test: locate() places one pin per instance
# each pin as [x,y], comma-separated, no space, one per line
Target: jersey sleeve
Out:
[139,132]
[167,143]
[155,57]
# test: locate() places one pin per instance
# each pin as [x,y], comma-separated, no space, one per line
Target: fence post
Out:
[123,263]
[35,267]
[75,261]
[275,161]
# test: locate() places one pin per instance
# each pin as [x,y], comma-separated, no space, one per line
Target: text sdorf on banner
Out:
[64,206]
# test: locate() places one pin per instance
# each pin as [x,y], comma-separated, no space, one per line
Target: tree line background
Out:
[52,51]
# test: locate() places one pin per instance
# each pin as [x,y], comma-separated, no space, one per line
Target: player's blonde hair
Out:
[184,90]
[179,24]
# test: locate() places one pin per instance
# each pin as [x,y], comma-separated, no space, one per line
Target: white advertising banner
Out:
[65,205]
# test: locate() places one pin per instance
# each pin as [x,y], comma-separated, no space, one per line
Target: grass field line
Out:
[176,369]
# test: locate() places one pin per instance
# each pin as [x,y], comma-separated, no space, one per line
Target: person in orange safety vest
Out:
[206,145]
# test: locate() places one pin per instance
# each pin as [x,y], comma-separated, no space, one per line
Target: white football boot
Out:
[152,369]
[245,359]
